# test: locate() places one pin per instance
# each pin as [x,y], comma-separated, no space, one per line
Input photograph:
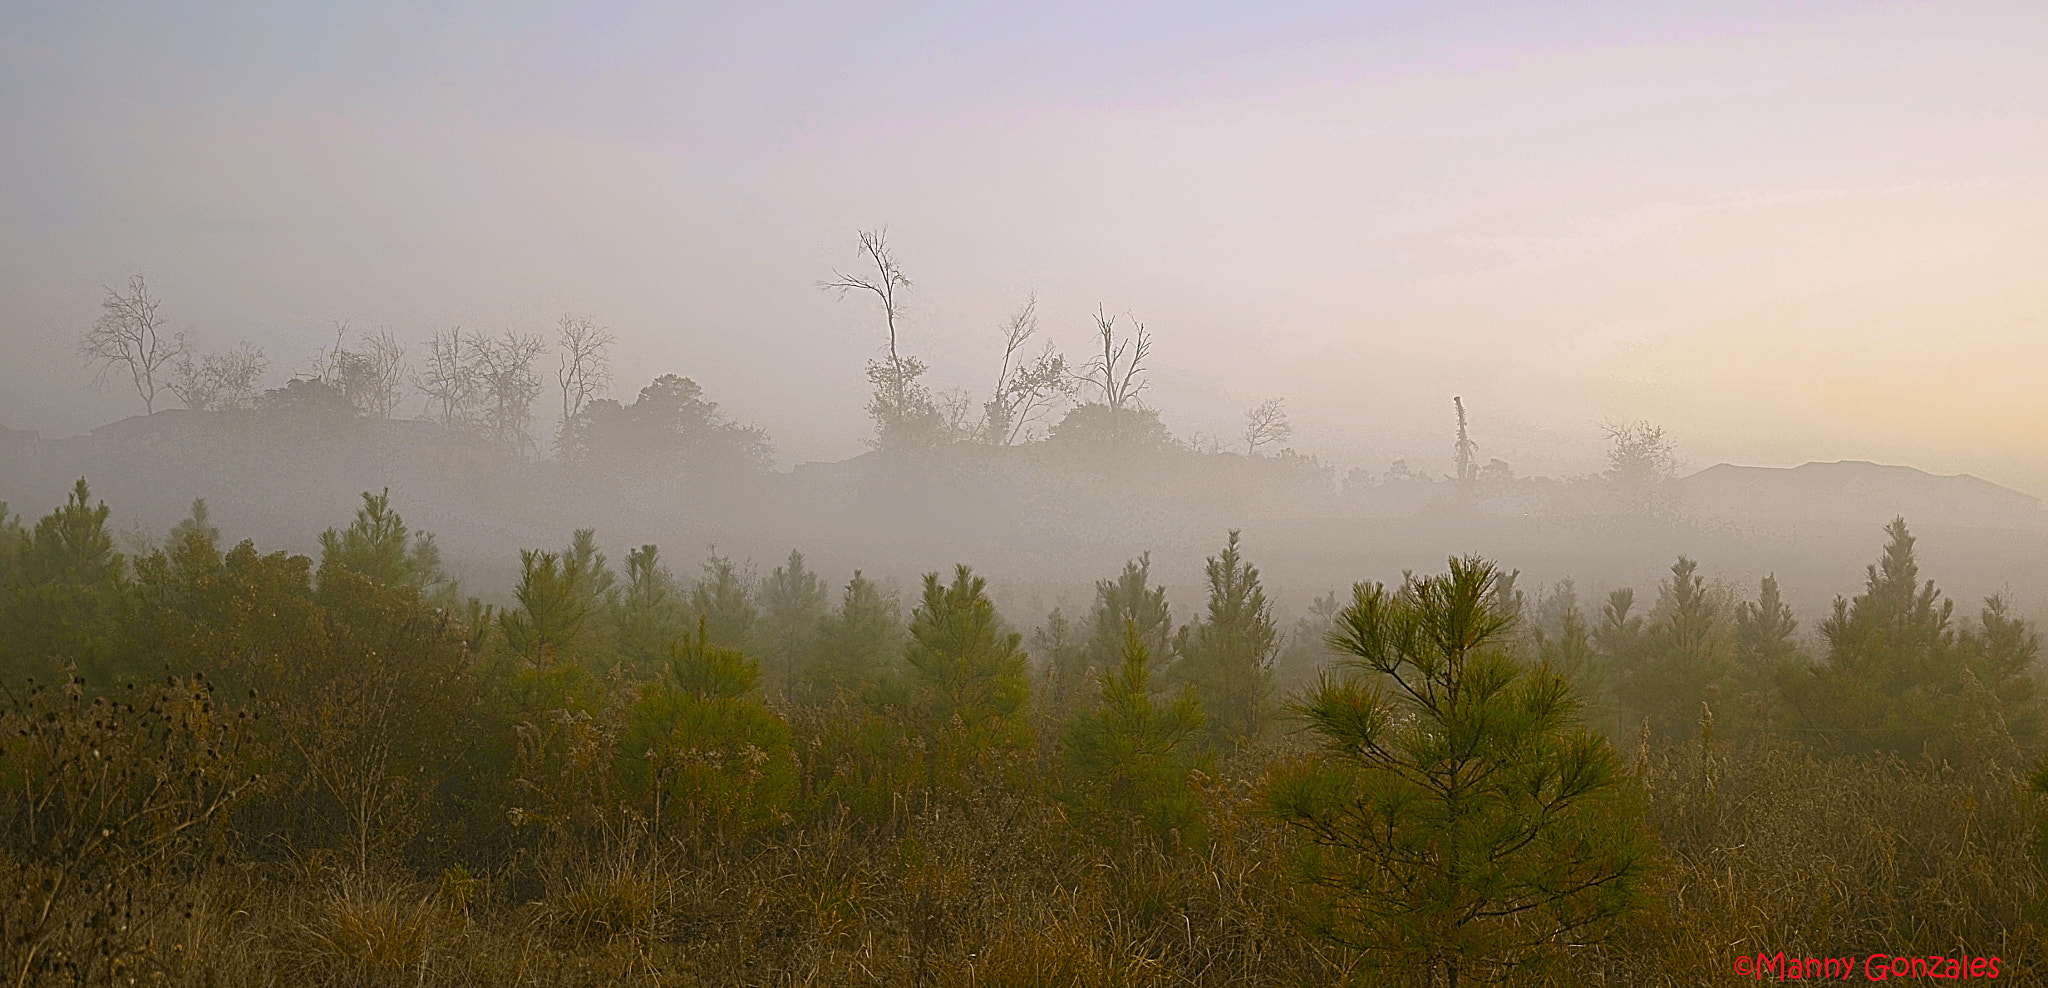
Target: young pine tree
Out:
[701,753]
[1564,639]
[786,634]
[1126,601]
[858,646]
[1680,660]
[1892,675]
[65,597]
[1128,759]
[547,626]
[378,547]
[722,598]
[650,615]
[1227,654]
[1461,823]
[964,660]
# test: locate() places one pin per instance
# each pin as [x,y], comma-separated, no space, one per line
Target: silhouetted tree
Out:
[130,337]
[371,375]
[669,430]
[1116,371]
[904,413]
[505,386]
[1639,459]
[585,369]
[1265,424]
[1464,453]
[1026,388]
[226,381]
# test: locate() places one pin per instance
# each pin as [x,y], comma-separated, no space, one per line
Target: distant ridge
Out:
[1853,491]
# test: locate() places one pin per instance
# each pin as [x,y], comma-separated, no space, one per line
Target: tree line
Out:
[626,775]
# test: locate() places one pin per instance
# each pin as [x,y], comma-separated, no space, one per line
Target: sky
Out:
[1782,232]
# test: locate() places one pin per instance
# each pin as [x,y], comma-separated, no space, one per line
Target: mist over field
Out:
[1405,493]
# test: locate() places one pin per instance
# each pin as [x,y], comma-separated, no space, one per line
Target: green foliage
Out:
[1228,653]
[1129,757]
[378,547]
[650,615]
[2002,654]
[706,671]
[68,594]
[243,618]
[1564,641]
[1892,676]
[1066,677]
[1682,658]
[786,635]
[964,661]
[14,543]
[553,607]
[857,648]
[1305,654]
[1460,823]
[1764,628]
[1125,602]
[721,596]
[701,752]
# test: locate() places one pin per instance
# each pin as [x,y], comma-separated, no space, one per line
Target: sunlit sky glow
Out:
[1785,232]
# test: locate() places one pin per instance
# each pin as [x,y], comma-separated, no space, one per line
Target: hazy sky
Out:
[1783,231]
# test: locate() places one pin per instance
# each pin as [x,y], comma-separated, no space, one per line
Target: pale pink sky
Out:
[1786,232]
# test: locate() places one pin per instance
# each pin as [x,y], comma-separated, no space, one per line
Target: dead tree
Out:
[1115,371]
[887,278]
[447,379]
[129,336]
[585,369]
[1266,424]
[1026,388]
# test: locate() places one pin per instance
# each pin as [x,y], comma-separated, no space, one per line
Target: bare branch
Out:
[129,335]
[1266,424]
[584,371]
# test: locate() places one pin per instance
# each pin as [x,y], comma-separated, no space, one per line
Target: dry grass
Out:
[982,883]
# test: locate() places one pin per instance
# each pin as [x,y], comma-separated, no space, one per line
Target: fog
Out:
[1781,236]
[987,495]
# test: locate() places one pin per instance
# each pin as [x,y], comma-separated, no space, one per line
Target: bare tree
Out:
[1115,371]
[371,376]
[506,386]
[585,369]
[1026,388]
[1465,453]
[447,379]
[887,278]
[129,336]
[955,406]
[1266,424]
[225,381]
